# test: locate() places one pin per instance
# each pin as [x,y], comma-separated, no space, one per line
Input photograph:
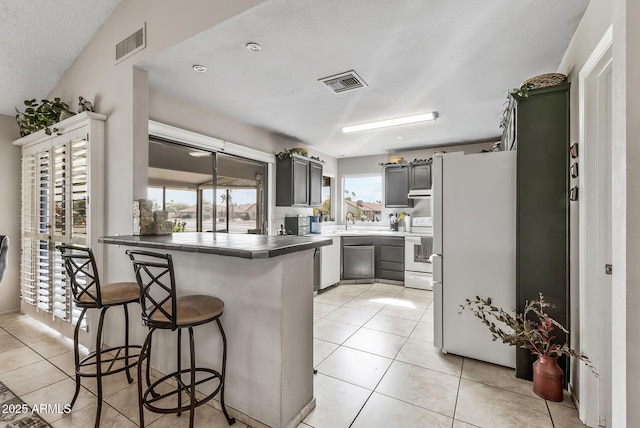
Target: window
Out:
[327,206]
[362,196]
[182,182]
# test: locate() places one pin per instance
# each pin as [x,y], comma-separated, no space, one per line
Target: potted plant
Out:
[41,115]
[532,330]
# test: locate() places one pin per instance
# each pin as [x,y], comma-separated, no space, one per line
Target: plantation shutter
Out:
[60,291]
[54,212]
[43,204]
[28,257]
[57,173]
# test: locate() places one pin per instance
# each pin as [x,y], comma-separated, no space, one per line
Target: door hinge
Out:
[608,269]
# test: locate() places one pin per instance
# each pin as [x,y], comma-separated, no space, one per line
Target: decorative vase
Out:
[547,378]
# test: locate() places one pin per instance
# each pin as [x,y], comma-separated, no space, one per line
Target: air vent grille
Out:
[344,82]
[131,44]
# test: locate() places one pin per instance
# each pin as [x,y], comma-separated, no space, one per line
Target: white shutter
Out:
[61,293]
[79,191]
[28,254]
[43,250]
[55,211]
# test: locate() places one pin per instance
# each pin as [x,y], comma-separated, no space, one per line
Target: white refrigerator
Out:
[474,228]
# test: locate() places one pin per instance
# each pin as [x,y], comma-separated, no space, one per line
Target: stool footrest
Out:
[91,361]
[181,386]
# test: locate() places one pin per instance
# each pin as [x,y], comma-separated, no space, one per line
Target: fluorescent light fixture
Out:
[432,115]
[199,154]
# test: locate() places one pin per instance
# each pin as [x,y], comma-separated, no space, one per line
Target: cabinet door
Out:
[300,182]
[315,184]
[358,262]
[420,176]
[396,187]
[330,263]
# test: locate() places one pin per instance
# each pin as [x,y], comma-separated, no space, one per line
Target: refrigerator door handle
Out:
[436,262]
[438,337]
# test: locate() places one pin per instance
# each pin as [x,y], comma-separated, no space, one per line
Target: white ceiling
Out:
[458,58]
[40,41]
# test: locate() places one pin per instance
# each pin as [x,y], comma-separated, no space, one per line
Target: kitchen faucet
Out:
[347,216]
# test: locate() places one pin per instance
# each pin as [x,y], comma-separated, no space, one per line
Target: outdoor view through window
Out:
[363,197]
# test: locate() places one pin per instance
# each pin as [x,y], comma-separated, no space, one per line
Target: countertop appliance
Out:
[418,246]
[297,225]
[474,249]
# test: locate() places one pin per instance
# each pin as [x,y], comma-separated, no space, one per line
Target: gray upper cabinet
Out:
[420,176]
[315,184]
[298,182]
[396,187]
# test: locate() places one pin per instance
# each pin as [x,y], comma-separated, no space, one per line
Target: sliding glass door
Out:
[206,191]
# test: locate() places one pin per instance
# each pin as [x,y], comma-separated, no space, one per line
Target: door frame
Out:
[592,312]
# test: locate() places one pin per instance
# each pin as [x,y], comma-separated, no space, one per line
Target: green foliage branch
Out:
[532,330]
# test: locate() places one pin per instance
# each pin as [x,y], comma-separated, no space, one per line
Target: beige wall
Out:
[121,92]
[10,212]
[594,24]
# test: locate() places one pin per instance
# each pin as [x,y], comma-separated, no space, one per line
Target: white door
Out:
[595,206]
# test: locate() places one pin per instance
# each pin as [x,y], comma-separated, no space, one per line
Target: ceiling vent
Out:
[132,44]
[344,82]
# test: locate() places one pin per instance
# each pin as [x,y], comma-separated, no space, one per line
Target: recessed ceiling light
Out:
[432,115]
[399,137]
[199,154]
[199,68]
[254,47]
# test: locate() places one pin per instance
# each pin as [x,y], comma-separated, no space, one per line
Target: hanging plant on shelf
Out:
[41,115]
[287,153]
[523,92]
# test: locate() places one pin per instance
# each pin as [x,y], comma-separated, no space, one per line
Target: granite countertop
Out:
[223,244]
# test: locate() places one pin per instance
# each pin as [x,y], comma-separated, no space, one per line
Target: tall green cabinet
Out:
[537,127]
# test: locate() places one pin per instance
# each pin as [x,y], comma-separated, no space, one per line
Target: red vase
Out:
[547,378]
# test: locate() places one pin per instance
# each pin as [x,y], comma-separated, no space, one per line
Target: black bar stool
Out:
[162,309]
[88,293]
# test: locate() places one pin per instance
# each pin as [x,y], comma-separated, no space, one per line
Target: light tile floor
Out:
[377,367]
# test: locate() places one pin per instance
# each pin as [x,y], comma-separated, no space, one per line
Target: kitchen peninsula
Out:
[266,283]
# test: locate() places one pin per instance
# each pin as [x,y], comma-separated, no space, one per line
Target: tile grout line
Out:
[553,424]
[455,405]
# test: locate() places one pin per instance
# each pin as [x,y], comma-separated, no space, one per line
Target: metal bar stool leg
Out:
[192,405]
[179,376]
[99,364]
[144,351]
[126,342]
[230,420]
[76,356]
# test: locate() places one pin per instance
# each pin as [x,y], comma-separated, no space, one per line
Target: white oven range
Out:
[418,246]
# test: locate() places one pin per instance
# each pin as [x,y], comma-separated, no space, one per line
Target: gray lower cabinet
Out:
[358,261]
[387,261]
[391,258]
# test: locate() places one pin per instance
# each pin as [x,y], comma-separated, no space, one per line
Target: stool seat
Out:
[112,294]
[191,310]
